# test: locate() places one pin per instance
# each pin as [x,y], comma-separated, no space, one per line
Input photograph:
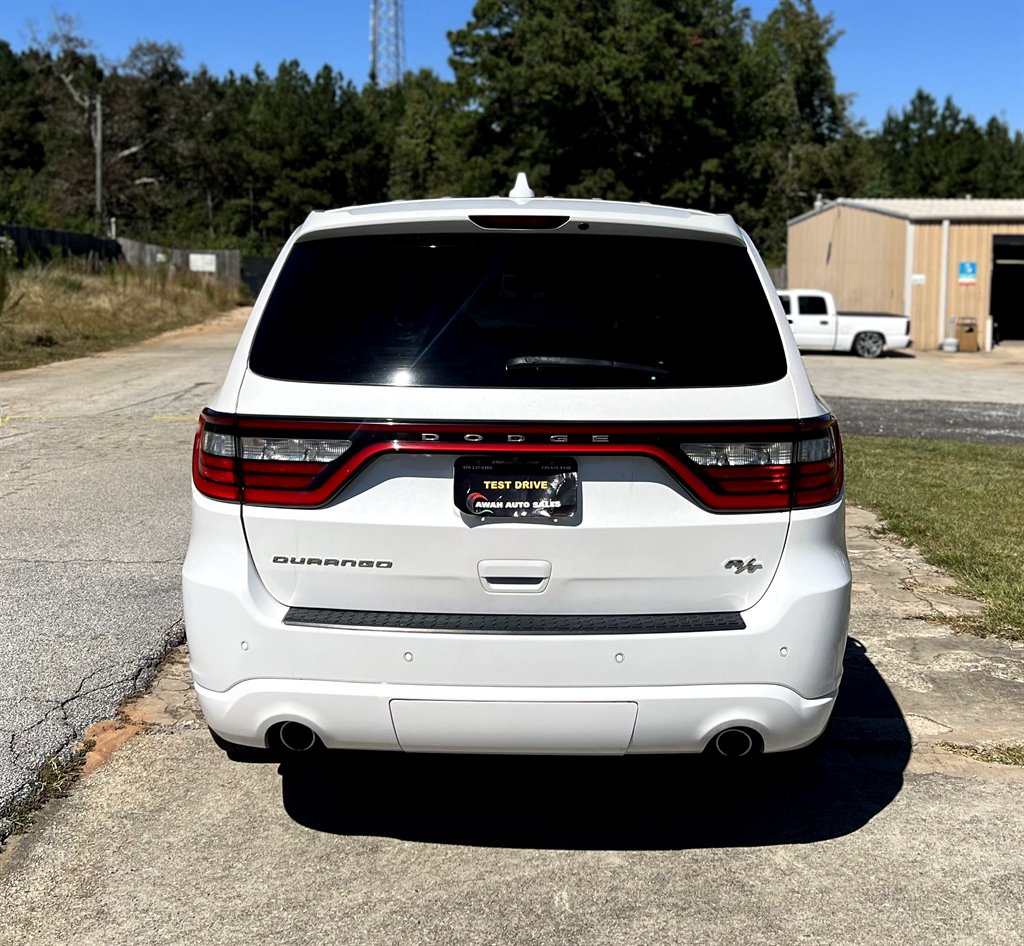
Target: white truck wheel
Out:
[868,344]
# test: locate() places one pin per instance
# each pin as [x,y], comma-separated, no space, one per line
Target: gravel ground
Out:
[977,397]
[975,422]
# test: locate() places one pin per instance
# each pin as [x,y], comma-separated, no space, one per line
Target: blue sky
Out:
[970,49]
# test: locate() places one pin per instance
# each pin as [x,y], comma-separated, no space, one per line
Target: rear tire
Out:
[869,344]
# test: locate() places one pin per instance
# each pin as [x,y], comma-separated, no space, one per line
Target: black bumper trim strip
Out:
[518,623]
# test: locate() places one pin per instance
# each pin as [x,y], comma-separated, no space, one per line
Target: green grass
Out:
[962,505]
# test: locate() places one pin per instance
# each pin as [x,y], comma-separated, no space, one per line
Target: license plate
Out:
[516,488]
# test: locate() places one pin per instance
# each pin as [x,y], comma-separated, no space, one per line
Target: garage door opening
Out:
[1007,308]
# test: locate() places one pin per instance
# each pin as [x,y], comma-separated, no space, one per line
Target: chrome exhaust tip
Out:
[296,737]
[735,743]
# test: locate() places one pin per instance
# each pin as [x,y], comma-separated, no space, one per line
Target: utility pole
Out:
[387,41]
[97,143]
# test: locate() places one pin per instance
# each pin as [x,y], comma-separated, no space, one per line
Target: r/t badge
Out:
[750,567]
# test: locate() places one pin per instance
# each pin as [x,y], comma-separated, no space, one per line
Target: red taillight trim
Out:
[719,489]
[821,482]
[209,474]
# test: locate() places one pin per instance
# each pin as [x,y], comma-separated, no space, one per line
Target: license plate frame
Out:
[518,487]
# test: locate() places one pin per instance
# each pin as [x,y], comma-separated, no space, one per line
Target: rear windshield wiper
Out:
[559,361]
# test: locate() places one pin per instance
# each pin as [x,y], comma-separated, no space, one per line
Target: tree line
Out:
[684,102]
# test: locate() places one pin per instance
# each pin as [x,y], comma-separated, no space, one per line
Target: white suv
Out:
[478,481]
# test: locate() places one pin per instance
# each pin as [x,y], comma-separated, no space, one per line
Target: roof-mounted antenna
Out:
[522,190]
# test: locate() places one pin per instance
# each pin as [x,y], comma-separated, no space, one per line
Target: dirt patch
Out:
[107,737]
[164,705]
[237,315]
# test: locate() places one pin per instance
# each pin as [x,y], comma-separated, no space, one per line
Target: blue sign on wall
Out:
[967,274]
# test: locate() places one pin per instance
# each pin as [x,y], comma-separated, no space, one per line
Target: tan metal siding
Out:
[968,242]
[973,242]
[806,250]
[925,300]
[857,255]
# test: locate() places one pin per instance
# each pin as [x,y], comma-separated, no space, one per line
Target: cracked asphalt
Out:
[94,487]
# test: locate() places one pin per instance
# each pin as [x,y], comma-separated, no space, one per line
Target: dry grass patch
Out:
[52,312]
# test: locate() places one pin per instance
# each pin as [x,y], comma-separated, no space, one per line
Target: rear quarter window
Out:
[475,309]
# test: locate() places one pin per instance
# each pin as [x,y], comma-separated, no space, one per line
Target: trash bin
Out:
[967,334]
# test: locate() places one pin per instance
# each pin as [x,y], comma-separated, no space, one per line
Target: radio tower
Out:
[387,41]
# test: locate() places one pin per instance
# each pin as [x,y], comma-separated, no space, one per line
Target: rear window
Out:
[541,310]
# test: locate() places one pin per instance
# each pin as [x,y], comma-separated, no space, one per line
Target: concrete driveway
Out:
[995,376]
[886,836]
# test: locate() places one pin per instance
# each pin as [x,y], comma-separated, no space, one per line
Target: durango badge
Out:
[338,562]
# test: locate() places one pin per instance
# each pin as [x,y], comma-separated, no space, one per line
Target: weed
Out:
[1000,755]
[54,781]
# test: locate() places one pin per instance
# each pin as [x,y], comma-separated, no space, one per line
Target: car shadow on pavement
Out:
[622,803]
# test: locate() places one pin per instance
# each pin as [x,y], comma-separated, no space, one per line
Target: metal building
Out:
[935,260]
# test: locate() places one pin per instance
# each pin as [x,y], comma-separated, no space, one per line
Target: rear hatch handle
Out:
[514,576]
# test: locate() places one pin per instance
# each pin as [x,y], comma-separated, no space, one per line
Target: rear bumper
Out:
[896,342]
[777,675]
[591,720]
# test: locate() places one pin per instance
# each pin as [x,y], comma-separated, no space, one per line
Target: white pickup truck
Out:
[818,327]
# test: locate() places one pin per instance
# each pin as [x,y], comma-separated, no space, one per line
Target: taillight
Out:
[760,467]
[819,468]
[293,449]
[230,463]
[740,475]
[214,467]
